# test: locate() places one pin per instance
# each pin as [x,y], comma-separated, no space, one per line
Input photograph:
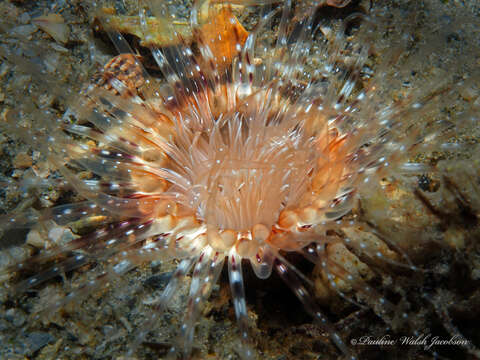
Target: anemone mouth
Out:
[263,168]
[244,173]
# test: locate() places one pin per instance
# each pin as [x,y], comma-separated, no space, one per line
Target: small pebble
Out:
[35,239]
[37,340]
[24,18]
[24,30]
[469,93]
[53,25]
[158,281]
[22,161]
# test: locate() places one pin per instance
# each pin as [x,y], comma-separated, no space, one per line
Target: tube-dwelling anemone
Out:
[250,148]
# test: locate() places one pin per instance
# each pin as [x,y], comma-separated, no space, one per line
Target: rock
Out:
[53,25]
[37,340]
[22,161]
